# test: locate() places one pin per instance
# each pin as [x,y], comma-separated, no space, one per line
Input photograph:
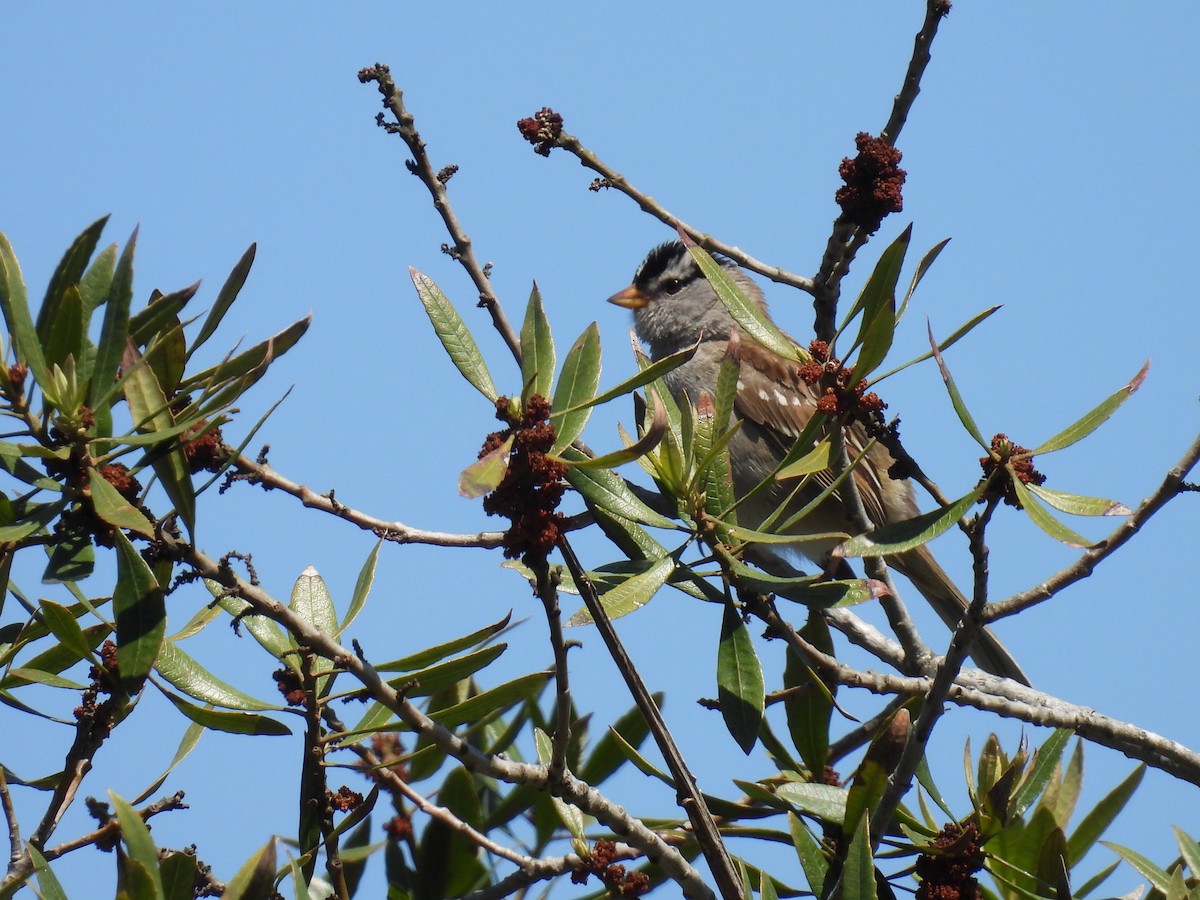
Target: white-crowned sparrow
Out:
[674,306]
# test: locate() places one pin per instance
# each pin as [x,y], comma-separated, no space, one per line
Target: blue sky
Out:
[1052,142]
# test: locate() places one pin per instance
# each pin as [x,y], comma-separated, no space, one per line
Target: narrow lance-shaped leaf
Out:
[749,317]
[1096,822]
[1041,516]
[740,685]
[187,675]
[255,880]
[140,612]
[162,309]
[115,509]
[1079,505]
[1044,764]
[1081,428]
[955,336]
[227,721]
[608,491]
[362,587]
[922,267]
[65,340]
[858,875]
[960,407]
[97,280]
[115,330]
[14,303]
[632,594]
[577,385]
[650,373]
[191,737]
[150,411]
[66,277]
[454,335]
[902,536]
[537,347]
[808,703]
[249,360]
[878,301]
[137,838]
[225,297]
[647,442]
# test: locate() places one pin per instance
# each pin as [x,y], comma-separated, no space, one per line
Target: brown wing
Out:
[773,396]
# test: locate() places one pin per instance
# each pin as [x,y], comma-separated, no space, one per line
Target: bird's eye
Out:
[672,286]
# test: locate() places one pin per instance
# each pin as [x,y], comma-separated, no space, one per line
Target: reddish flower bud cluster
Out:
[118,476]
[1003,451]
[839,397]
[601,863]
[532,486]
[345,799]
[17,373]
[289,684]
[542,130]
[92,713]
[874,183]
[203,453]
[398,828]
[947,873]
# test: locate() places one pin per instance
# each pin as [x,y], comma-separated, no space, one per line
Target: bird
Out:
[674,308]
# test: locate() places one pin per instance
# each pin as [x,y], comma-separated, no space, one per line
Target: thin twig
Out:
[435,182]
[692,801]
[546,587]
[15,850]
[847,239]
[1087,562]
[615,180]
[569,788]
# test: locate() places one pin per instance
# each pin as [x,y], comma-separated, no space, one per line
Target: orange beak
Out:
[630,298]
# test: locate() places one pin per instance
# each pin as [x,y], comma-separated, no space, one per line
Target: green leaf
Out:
[428,657]
[825,801]
[815,460]
[537,348]
[607,490]
[960,406]
[1096,822]
[18,675]
[1189,849]
[167,357]
[14,304]
[97,280]
[65,340]
[187,675]
[485,474]
[440,676]
[811,590]
[631,594]
[1156,875]
[858,876]
[454,335]
[577,385]
[115,330]
[606,756]
[115,509]
[652,372]
[312,602]
[878,304]
[1041,517]
[1044,764]
[225,297]
[151,413]
[141,615]
[137,839]
[447,861]
[812,859]
[178,873]
[362,588]
[161,312]
[255,880]
[493,701]
[250,361]
[922,267]
[225,720]
[49,886]
[740,685]
[955,336]
[63,624]
[808,703]
[1081,428]
[191,737]
[901,536]
[749,316]
[1078,505]
[655,429]
[66,278]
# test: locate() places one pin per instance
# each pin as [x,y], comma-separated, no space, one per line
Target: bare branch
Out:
[435,181]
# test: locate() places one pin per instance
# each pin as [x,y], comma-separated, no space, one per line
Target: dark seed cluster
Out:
[874,182]
[947,873]
[542,130]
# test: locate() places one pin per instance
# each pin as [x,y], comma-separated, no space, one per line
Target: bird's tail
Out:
[922,570]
